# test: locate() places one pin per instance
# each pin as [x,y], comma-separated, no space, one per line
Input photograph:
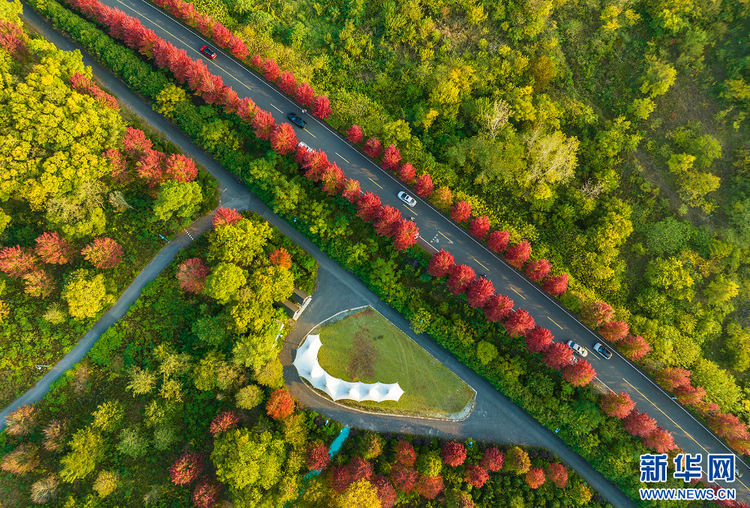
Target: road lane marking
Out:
[665,414]
[516,292]
[560,327]
[373,181]
[316,137]
[410,210]
[342,157]
[277,109]
[480,264]
[441,234]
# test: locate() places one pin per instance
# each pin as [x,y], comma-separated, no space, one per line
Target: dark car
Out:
[297,120]
[210,53]
[603,351]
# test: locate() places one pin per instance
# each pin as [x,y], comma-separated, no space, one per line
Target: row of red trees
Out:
[84,85]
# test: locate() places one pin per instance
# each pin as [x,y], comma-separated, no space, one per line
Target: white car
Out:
[305,146]
[582,351]
[407,199]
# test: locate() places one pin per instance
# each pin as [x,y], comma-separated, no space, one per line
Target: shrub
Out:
[453,454]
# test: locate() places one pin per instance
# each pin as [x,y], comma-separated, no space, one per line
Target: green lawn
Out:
[431,389]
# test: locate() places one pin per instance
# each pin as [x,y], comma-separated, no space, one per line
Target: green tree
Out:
[224,281]
[142,381]
[659,77]
[133,443]
[430,464]
[486,352]
[239,243]
[671,275]
[720,291]
[86,295]
[249,397]
[108,416]
[360,494]
[87,450]
[181,199]
[738,346]
[210,331]
[106,483]
[719,384]
[271,283]
[246,461]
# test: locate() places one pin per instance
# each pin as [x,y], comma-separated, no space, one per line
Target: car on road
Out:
[296,120]
[407,199]
[582,351]
[603,351]
[412,219]
[305,146]
[210,53]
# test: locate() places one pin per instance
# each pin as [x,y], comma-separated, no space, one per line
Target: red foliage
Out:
[492,460]
[352,190]
[339,479]
[634,347]
[461,211]
[86,86]
[406,235]
[386,492]
[305,95]
[388,219]
[405,454]
[103,253]
[690,396]
[317,456]
[429,487]
[191,275]
[728,426]
[280,404]
[180,168]
[443,198]
[225,216]
[441,264]
[207,493]
[151,167]
[246,109]
[315,164]
[538,339]
[557,285]
[287,83]
[12,39]
[453,454]
[596,313]
[359,469]
[54,249]
[557,356]
[333,179]
[479,293]
[660,440]
[672,377]
[355,134]
[404,478]
[518,254]
[372,147]
[519,323]
[423,185]
[558,474]
[280,257]
[498,241]
[476,476]
[321,106]
[460,278]
[538,270]
[391,158]
[368,207]
[256,61]
[284,139]
[617,405]
[407,174]
[223,422]
[135,143]
[38,283]
[498,308]
[579,374]
[639,424]
[120,173]
[271,70]
[480,226]
[535,477]
[186,469]
[614,331]
[264,124]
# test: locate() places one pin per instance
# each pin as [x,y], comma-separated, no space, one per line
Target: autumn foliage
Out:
[460,278]
[405,454]
[461,211]
[406,234]
[317,456]
[492,460]
[271,70]
[360,469]
[287,83]
[321,106]
[355,134]
[280,257]
[407,174]
[103,253]
[368,207]
[660,440]
[386,492]
[535,477]
[498,308]
[480,226]
[579,374]
[614,331]
[538,339]
[186,469]
[429,487]
[453,454]
[634,347]
[479,293]
[441,264]
[352,190]
[423,185]
[476,476]
[639,424]
[518,254]
[373,147]
[284,139]
[519,323]
[223,422]
[557,285]
[264,124]
[391,158]
[207,493]
[17,262]
[280,404]
[557,356]
[617,405]
[538,270]
[339,478]
[498,241]
[86,86]
[305,95]
[385,224]
[54,249]
[404,478]
[558,474]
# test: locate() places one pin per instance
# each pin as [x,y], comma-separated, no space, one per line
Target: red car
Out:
[210,53]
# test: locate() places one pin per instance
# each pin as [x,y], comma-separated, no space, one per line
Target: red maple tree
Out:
[352,190]
[391,158]
[355,134]
[498,241]
[225,216]
[284,139]
[54,249]
[460,278]
[557,356]
[617,405]
[191,275]
[492,460]
[639,424]
[280,404]
[423,185]
[186,469]
[103,253]
[728,426]
[38,283]
[578,374]
[614,331]
[406,234]
[246,109]
[461,211]
[120,173]
[317,456]
[223,422]
[558,474]
[315,164]
[407,174]
[280,257]
[476,476]
[360,469]
[538,269]
[264,124]
[518,323]
[453,454]
[387,221]
[404,478]
[207,493]
[287,83]
[368,207]
[180,168]
[480,226]
[596,313]
[256,61]
[305,95]
[429,487]
[135,143]
[556,285]
[518,254]
[538,339]
[535,477]
[321,106]
[690,395]
[672,377]
[405,454]
[386,492]
[271,69]
[498,308]
[480,291]
[443,198]
[333,179]
[634,347]
[339,479]
[373,147]
[441,264]
[151,167]
[660,440]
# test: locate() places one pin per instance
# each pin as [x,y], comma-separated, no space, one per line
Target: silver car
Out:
[407,199]
[582,351]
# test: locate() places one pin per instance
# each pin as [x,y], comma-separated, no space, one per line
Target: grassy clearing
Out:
[367,347]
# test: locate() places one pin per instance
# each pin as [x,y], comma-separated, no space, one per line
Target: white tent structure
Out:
[308,367]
